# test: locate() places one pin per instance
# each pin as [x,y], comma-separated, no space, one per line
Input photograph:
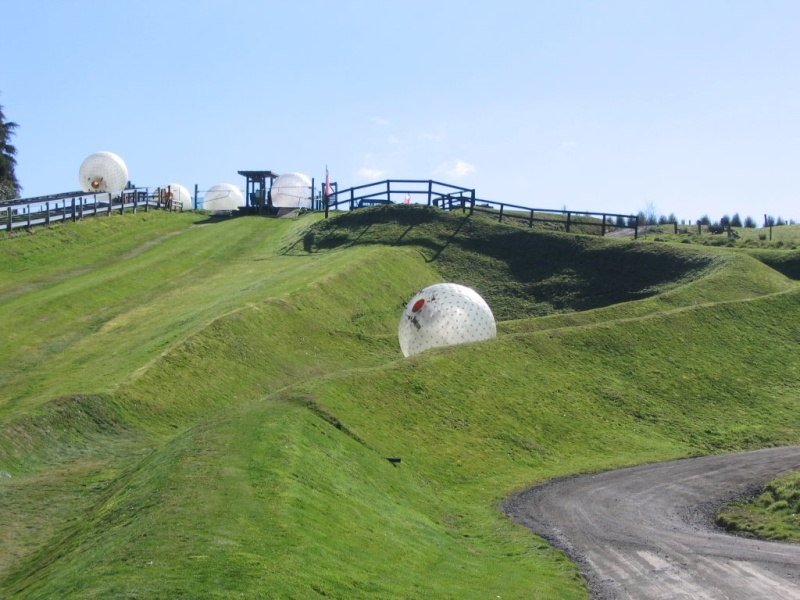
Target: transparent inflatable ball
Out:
[444,314]
[103,172]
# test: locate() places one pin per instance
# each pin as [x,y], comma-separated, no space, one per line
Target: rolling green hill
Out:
[199,409]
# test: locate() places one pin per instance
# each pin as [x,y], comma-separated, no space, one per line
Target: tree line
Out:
[724,222]
[749,222]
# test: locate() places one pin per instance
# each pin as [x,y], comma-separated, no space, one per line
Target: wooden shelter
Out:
[257,190]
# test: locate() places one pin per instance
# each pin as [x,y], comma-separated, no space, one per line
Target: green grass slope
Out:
[220,418]
[774,514]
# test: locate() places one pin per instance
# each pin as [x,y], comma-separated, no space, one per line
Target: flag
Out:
[327,183]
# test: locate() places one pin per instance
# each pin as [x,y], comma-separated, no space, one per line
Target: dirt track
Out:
[647,532]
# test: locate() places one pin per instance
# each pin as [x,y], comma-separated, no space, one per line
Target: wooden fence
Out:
[74,206]
[452,197]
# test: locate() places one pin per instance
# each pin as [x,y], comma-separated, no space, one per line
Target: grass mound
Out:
[774,514]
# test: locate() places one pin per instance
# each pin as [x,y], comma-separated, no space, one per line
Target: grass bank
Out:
[773,514]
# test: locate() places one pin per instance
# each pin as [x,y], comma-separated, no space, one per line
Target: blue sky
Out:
[683,107]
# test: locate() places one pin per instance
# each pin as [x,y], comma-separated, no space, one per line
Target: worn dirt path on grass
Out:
[647,532]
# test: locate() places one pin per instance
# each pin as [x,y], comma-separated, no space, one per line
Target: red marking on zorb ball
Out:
[418,305]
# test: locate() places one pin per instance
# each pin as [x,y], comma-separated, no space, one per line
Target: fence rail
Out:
[453,197]
[74,206]
[605,222]
[382,192]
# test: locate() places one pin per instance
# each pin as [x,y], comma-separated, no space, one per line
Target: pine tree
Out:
[9,186]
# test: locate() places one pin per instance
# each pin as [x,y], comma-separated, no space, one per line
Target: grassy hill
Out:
[197,409]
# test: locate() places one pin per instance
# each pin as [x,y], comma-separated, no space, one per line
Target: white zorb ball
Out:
[103,172]
[443,315]
[181,198]
[291,190]
[223,196]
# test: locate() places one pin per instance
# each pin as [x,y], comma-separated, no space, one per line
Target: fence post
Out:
[430,191]
[47,215]
[389,190]
[500,220]
[676,227]
[352,199]
[194,200]
[603,227]
[472,202]
[530,221]
[8,216]
[569,218]
[636,227]
[73,211]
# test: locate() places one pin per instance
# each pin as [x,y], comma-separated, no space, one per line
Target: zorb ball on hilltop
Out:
[178,194]
[443,315]
[223,196]
[103,172]
[291,190]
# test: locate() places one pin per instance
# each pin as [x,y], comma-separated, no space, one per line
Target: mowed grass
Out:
[114,307]
[236,445]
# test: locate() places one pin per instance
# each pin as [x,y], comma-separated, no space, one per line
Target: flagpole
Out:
[327,191]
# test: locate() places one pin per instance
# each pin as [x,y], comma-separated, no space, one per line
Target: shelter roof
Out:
[258,174]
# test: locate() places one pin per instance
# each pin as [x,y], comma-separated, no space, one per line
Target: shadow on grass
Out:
[787,263]
[524,272]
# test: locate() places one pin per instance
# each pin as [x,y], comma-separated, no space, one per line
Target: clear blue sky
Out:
[689,107]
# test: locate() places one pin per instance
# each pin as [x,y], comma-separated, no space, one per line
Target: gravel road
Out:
[647,532]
